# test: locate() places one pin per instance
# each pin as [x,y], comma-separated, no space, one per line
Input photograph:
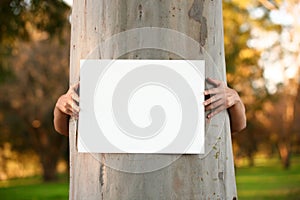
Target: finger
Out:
[207,120]
[75,108]
[75,97]
[71,111]
[71,95]
[212,99]
[73,92]
[72,105]
[214,81]
[67,111]
[215,112]
[213,91]
[215,105]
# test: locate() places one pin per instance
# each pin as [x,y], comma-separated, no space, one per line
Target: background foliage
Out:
[262,56]
[34,72]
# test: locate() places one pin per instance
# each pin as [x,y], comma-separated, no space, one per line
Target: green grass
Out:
[266,181]
[53,191]
[269,181]
[34,188]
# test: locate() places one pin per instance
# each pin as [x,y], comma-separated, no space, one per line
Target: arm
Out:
[237,114]
[223,97]
[66,106]
[61,121]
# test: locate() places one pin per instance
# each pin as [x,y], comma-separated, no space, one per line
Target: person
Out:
[66,106]
[221,97]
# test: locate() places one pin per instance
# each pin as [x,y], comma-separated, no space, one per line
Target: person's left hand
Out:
[221,97]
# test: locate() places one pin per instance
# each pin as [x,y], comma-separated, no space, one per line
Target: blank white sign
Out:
[141,106]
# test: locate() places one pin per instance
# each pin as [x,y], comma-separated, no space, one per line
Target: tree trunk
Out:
[49,169]
[200,36]
[49,154]
[285,154]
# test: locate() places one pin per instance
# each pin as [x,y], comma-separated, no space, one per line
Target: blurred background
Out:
[262,45]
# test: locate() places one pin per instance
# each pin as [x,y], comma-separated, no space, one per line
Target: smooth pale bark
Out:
[209,176]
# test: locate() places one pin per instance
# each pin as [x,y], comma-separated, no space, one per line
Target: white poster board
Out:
[142,106]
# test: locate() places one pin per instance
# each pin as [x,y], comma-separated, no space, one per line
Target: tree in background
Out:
[18,19]
[280,61]
[33,72]
[244,74]
[35,44]
[262,56]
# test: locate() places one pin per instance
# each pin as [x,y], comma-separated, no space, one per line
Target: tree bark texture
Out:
[209,176]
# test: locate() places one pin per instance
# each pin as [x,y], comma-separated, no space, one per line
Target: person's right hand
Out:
[69,103]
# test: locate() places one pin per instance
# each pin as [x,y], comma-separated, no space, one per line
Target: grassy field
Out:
[33,188]
[267,181]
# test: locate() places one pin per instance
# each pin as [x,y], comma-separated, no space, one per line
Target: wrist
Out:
[239,104]
[237,99]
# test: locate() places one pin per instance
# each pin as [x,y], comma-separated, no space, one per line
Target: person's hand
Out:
[69,103]
[221,97]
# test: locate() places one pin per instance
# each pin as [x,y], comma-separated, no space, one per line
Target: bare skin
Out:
[222,98]
[66,106]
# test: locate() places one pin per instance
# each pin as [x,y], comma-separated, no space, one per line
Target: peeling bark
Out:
[196,13]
